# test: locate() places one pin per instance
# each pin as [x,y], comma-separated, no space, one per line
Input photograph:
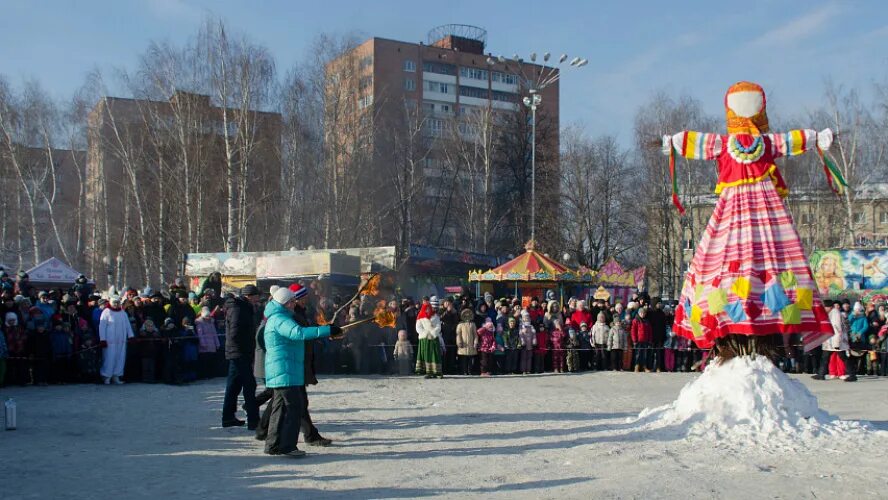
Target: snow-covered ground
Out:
[550,436]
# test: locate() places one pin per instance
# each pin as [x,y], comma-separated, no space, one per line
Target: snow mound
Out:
[748,400]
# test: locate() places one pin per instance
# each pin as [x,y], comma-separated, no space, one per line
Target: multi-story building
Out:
[158,179]
[445,91]
[55,178]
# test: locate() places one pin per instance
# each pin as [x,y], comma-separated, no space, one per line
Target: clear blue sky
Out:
[635,48]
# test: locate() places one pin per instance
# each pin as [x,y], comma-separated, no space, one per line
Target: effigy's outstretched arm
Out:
[796,142]
[693,145]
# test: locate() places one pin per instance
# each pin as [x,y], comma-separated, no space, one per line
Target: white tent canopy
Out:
[53,271]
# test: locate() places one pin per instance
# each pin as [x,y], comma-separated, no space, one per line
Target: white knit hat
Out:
[282,295]
[273,289]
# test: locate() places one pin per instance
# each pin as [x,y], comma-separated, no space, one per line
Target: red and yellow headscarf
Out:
[745,109]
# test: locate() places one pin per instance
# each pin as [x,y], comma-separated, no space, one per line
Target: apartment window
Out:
[409,65]
[436,127]
[443,88]
[467,110]
[689,244]
[365,61]
[859,218]
[473,73]
[440,68]
[365,82]
[504,96]
[806,218]
[468,129]
[473,92]
[410,104]
[507,78]
[409,84]
[883,217]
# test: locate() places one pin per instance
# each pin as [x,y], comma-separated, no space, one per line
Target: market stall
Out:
[53,273]
[612,282]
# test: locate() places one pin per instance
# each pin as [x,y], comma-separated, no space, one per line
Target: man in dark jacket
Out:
[657,318]
[241,321]
[407,321]
[449,320]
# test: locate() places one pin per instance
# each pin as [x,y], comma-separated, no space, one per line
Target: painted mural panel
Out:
[840,272]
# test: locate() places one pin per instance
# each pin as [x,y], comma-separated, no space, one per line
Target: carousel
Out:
[530,274]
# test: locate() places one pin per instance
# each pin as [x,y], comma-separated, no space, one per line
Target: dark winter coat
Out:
[241,322]
[62,344]
[449,320]
[657,319]
[407,322]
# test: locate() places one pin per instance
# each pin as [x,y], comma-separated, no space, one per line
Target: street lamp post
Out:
[535,81]
[110,269]
[119,273]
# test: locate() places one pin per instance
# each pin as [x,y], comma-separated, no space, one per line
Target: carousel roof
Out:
[530,266]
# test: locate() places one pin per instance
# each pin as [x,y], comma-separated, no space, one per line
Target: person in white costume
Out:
[114,330]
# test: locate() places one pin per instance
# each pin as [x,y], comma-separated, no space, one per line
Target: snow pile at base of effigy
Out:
[748,401]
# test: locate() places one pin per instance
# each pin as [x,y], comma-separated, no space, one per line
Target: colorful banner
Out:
[842,272]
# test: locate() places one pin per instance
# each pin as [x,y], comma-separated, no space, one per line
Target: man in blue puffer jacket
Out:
[285,370]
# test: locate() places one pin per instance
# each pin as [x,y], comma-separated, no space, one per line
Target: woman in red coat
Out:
[581,314]
[641,339]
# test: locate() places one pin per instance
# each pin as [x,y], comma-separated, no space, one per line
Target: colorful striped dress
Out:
[749,275]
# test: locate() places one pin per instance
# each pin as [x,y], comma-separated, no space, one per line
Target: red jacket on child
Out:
[542,342]
[641,331]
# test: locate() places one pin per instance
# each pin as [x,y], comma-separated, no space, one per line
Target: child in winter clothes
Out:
[190,350]
[466,341]
[41,354]
[883,348]
[499,354]
[872,359]
[510,341]
[573,358]
[526,342]
[208,339]
[149,343]
[600,335]
[487,345]
[4,353]
[88,362]
[585,338]
[641,340]
[558,346]
[62,349]
[617,342]
[403,354]
[669,349]
[17,346]
[172,354]
[541,349]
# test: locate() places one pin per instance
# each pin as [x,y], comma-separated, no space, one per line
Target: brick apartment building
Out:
[443,83]
[61,172]
[134,142]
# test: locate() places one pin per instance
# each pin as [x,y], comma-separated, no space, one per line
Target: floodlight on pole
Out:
[534,80]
